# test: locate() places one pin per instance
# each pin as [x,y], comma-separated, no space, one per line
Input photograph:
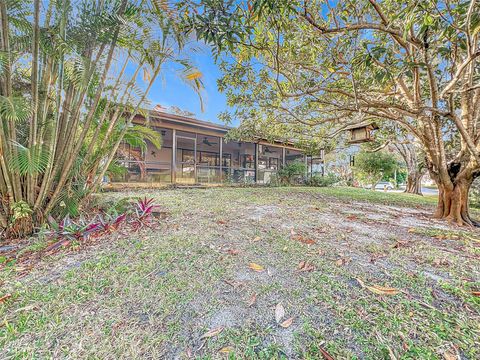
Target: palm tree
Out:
[68,94]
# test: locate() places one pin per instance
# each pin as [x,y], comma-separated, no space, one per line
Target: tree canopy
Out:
[309,69]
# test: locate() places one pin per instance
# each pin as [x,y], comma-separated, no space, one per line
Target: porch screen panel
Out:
[208,159]
[185,157]
[293,155]
[158,162]
[238,162]
[269,162]
[132,159]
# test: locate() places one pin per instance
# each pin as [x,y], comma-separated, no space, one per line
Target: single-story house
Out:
[195,152]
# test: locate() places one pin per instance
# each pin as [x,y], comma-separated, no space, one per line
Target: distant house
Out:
[194,152]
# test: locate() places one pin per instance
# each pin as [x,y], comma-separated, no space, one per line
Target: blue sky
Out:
[170,90]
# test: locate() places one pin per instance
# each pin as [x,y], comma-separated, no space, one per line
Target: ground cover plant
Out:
[261,273]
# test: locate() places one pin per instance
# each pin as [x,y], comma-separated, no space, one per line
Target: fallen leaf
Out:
[252,300]
[303,239]
[226,350]
[257,238]
[221,222]
[450,355]
[51,248]
[287,323]
[305,266]
[5,297]
[26,308]
[380,290]
[279,312]
[212,333]
[476,293]
[256,267]
[352,217]
[233,251]
[400,244]
[325,354]
[342,261]
[412,230]
[233,283]
[440,262]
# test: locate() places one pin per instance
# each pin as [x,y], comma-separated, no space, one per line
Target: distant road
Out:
[425,190]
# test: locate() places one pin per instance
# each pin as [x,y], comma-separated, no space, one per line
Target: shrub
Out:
[323,181]
[292,173]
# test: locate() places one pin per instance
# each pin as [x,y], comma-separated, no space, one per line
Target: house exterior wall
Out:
[197,153]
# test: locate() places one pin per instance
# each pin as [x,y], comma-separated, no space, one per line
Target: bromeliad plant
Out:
[144,208]
[68,229]
[140,214]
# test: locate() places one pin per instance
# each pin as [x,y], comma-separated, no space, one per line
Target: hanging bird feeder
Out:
[361,132]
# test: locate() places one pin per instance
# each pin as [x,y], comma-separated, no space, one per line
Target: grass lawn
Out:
[353,273]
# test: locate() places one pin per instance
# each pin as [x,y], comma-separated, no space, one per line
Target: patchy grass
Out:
[154,294]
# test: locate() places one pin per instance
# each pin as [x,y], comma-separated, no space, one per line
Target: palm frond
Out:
[137,136]
[33,160]
[14,108]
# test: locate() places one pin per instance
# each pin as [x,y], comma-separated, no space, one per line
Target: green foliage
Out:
[20,210]
[71,90]
[14,108]
[371,167]
[323,181]
[137,135]
[292,173]
[31,161]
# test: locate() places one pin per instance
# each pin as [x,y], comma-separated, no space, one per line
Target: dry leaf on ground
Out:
[257,238]
[5,297]
[256,267]
[451,354]
[285,324]
[380,290]
[342,261]
[476,293]
[305,266]
[325,354]
[303,239]
[226,350]
[252,300]
[212,333]
[279,312]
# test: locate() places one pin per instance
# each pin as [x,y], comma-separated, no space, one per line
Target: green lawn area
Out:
[359,275]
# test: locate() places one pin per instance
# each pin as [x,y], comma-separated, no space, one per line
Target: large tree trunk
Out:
[453,202]
[414,183]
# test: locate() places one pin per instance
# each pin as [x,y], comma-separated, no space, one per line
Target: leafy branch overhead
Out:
[308,69]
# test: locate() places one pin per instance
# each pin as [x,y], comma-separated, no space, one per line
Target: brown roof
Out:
[362,124]
[165,117]
[188,120]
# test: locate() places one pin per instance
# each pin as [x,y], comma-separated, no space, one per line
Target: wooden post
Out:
[173,166]
[256,162]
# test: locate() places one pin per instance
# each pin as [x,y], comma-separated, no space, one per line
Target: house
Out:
[195,152]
